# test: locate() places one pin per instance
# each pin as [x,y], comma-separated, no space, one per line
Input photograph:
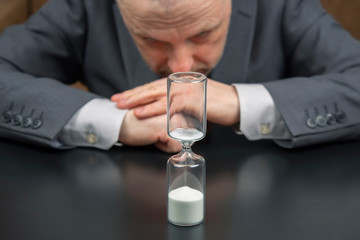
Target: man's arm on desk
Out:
[36,59]
[249,104]
[101,124]
[96,124]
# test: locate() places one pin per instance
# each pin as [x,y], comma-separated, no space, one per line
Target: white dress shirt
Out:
[259,117]
[97,123]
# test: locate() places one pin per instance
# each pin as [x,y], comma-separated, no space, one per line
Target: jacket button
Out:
[320,121]
[330,118]
[7,116]
[27,122]
[310,123]
[340,116]
[37,124]
[17,120]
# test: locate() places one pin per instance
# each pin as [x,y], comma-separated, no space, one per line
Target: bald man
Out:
[281,70]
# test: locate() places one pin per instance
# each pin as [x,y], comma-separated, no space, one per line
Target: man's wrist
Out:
[96,124]
[259,118]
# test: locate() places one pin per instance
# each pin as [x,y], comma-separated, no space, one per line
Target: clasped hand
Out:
[145,122]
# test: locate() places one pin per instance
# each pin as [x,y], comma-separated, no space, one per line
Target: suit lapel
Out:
[137,72]
[233,65]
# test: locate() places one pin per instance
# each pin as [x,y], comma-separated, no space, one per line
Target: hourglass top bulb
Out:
[186,106]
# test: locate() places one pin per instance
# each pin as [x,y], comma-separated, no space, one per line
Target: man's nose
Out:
[181,59]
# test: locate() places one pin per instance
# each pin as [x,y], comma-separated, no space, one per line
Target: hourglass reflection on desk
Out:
[186,122]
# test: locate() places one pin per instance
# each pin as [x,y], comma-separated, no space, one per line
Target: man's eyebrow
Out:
[138,31]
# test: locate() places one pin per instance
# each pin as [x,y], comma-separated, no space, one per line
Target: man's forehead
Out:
[204,15]
[164,4]
[202,27]
[163,7]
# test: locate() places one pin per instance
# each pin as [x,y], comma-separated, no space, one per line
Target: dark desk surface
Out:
[255,190]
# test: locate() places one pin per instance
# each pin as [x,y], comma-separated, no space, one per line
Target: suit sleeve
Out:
[322,104]
[37,60]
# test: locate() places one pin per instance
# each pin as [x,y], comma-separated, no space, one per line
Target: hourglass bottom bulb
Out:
[185,206]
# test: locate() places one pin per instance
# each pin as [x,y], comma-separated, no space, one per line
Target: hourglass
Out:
[186,122]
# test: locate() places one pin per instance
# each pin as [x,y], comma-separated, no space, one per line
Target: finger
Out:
[182,104]
[167,144]
[152,109]
[139,89]
[169,147]
[116,97]
[141,95]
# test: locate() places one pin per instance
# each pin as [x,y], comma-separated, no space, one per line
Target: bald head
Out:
[160,6]
[178,35]
[150,4]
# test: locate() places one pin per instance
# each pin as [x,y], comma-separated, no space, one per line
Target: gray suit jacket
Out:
[309,64]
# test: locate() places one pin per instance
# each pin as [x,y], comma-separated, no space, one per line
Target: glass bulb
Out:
[186,122]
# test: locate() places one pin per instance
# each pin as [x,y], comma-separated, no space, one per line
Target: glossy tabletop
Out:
[255,190]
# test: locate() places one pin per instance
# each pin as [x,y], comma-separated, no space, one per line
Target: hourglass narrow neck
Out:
[186,157]
[186,146]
